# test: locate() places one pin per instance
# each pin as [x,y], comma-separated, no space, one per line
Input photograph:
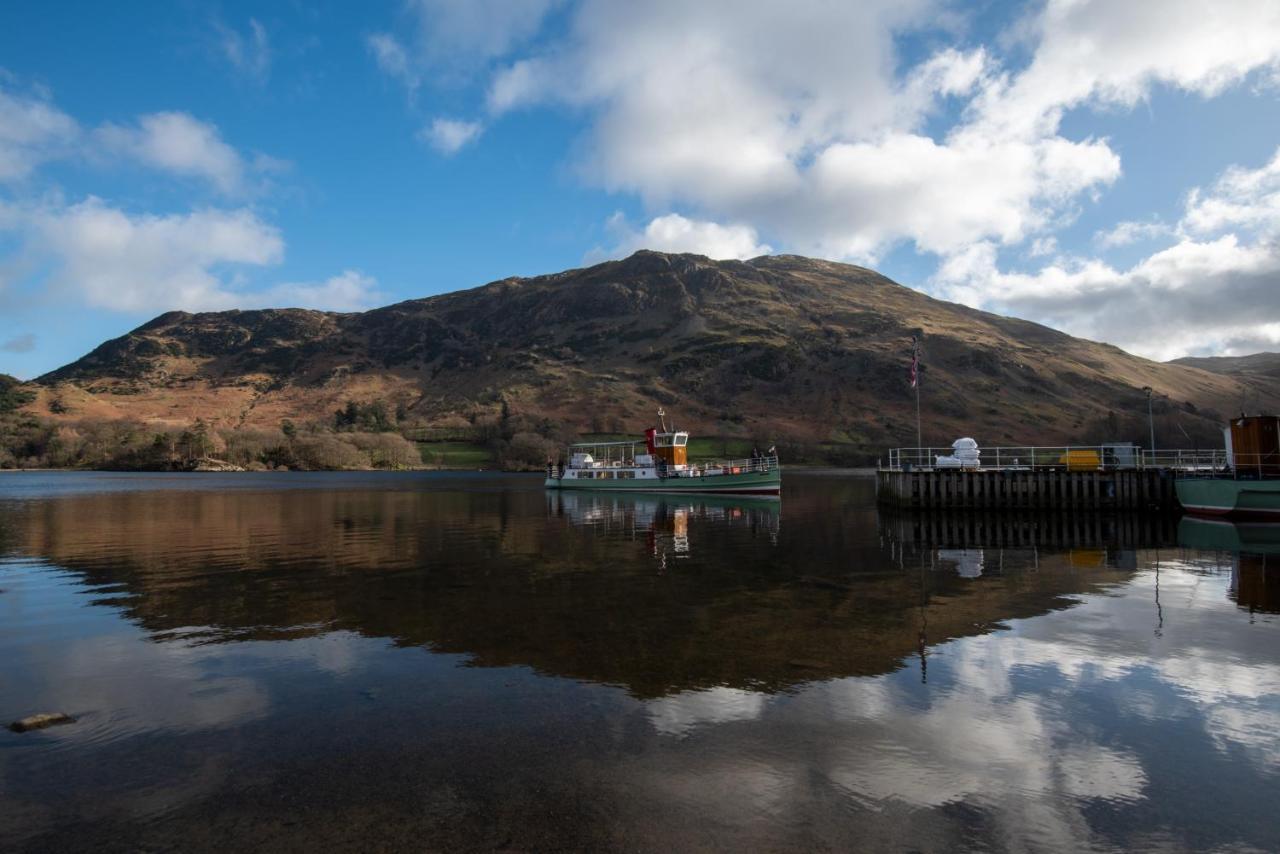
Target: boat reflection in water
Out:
[662,522]
[1253,550]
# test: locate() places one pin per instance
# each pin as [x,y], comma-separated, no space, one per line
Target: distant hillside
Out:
[778,347]
[1256,365]
[13,394]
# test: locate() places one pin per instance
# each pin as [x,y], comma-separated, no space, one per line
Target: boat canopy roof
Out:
[664,438]
[607,444]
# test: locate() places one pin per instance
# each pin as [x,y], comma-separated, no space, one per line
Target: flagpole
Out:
[919,442]
[915,383]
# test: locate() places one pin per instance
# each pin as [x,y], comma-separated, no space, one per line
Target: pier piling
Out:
[1039,489]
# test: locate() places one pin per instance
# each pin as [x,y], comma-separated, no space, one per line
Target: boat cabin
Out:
[664,454]
[670,447]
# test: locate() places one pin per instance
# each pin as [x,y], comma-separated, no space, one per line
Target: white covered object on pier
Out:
[964,454]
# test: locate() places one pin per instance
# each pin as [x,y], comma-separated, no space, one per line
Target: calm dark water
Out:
[409,662]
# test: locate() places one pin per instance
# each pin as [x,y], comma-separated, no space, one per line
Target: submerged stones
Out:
[40,721]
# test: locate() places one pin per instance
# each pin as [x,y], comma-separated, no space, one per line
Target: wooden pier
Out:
[1033,489]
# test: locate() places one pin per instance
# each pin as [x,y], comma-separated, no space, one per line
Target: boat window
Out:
[681,440]
[606,474]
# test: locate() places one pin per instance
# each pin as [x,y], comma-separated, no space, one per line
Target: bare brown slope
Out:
[779,346]
[1255,365]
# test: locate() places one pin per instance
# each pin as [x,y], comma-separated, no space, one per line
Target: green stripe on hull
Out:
[761,482]
[1222,496]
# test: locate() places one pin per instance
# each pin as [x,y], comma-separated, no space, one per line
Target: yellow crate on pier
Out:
[1080,460]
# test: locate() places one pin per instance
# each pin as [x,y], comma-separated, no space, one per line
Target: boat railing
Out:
[742,466]
[1069,458]
[696,469]
[1238,466]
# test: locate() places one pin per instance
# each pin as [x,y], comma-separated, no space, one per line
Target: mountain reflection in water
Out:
[474,662]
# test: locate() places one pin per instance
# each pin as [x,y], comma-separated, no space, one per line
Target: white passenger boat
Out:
[659,463]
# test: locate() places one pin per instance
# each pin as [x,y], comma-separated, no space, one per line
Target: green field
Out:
[712,448]
[458,455]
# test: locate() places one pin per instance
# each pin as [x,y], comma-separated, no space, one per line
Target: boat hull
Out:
[1227,497]
[746,483]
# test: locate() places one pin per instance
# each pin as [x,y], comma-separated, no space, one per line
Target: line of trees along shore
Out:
[373,434]
[129,445]
[361,435]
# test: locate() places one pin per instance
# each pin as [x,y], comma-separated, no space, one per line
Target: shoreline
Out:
[807,468]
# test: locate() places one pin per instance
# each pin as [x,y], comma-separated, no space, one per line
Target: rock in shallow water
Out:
[41,721]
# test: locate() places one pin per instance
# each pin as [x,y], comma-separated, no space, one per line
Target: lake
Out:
[465,661]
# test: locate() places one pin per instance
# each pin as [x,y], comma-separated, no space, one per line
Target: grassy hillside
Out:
[809,354]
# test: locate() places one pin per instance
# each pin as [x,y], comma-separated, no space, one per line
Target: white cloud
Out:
[517,85]
[1113,53]
[448,136]
[1193,297]
[864,197]
[1128,232]
[145,264]
[1247,199]
[1212,291]
[394,60]
[32,131]
[716,103]
[447,41]
[1047,245]
[112,259]
[178,143]
[675,233]
[250,53]
[949,72]
[793,120]
[477,30]
[348,291]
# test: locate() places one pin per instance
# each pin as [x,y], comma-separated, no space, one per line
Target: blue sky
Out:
[1108,169]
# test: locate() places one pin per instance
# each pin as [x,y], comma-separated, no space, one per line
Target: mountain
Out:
[1257,365]
[779,347]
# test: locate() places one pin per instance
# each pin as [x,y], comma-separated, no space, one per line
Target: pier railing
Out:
[1191,461]
[1070,458]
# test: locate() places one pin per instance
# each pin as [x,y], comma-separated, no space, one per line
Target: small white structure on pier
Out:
[964,455]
